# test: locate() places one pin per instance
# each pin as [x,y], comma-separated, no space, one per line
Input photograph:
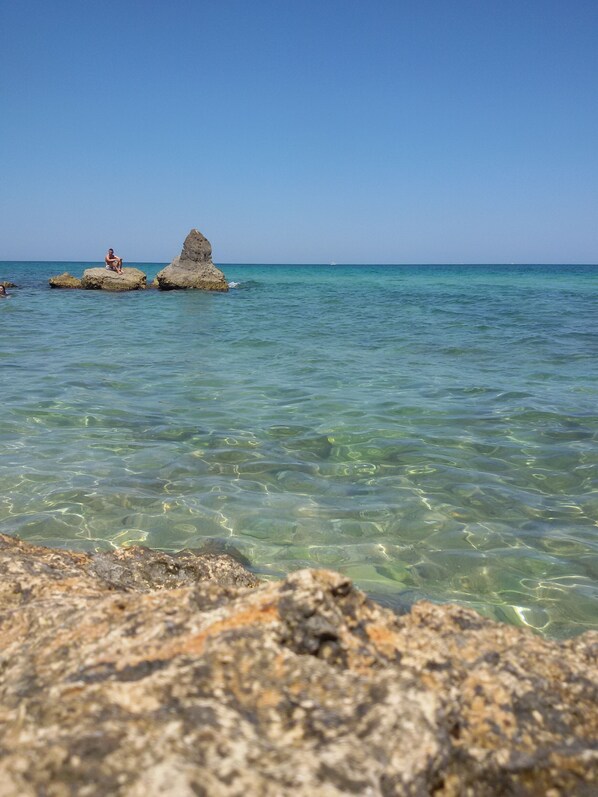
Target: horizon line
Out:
[332,263]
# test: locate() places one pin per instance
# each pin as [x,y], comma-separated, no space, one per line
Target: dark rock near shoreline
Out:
[138,673]
[193,268]
[65,280]
[131,279]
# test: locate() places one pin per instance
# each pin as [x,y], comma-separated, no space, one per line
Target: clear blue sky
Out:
[378,131]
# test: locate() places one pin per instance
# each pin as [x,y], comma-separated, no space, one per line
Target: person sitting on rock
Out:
[113,262]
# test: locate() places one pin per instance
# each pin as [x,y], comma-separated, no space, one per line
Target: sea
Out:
[429,431]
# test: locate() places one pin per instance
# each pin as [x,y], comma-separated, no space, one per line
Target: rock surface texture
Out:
[137,673]
[64,280]
[193,268]
[132,279]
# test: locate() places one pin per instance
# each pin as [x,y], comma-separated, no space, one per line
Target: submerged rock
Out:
[132,279]
[193,268]
[64,280]
[142,674]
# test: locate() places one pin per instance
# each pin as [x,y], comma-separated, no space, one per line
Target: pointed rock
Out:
[193,268]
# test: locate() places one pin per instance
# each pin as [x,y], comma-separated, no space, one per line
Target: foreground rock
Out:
[64,280]
[132,279]
[193,268]
[140,674]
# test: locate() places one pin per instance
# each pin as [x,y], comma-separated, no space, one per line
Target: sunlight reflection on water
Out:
[429,433]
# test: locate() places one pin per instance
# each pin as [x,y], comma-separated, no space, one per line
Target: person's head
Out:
[2,290]
[111,251]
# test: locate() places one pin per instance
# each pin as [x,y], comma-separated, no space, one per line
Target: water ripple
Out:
[432,433]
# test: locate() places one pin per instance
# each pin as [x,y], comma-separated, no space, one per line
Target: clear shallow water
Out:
[430,431]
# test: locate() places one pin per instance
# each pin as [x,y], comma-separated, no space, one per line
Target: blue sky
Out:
[300,130]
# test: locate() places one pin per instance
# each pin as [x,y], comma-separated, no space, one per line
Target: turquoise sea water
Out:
[430,431]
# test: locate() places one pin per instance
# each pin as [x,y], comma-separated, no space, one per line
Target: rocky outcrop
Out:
[142,674]
[8,284]
[193,268]
[64,280]
[131,279]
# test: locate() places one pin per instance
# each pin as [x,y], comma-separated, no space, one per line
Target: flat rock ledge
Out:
[193,268]
[138,673]
[100,278]
[131,279]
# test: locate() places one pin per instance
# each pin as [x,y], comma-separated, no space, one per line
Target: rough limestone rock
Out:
[132,279]
[64,280]
[8,284]
[139,674]
[193,268]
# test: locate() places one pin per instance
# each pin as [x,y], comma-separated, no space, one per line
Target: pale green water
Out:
[430,431]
